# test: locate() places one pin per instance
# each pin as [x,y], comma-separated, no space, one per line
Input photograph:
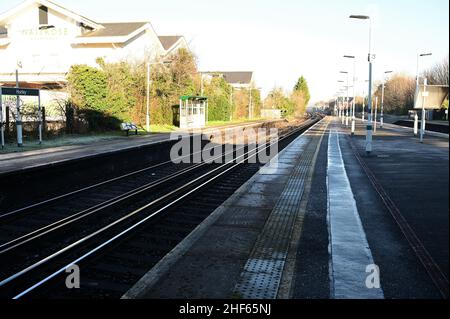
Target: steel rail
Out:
[98,207]
[53,199]
[48,258]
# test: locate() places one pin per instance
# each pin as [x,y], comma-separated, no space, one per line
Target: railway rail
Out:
[114,230]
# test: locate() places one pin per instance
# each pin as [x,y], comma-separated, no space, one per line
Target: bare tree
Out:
[438,74]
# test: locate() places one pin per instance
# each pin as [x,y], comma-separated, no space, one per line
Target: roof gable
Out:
[169,41]
[53,6]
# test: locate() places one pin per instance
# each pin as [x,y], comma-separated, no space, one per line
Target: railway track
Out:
[114,238]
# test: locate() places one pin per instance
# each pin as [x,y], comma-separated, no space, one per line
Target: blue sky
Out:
[283,39]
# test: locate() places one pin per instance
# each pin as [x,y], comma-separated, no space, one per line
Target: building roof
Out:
[240,77]
[50,4]
[168,41]
[118,29]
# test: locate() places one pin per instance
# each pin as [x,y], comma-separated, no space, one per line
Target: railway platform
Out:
[20,162]
[330,221]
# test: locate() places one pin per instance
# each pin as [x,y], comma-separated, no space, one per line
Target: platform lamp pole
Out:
[369,120]
[18,115]
[416,117]
[353,101]
[342,112]
[346,107]
[382,99]
[422,123]
[364,101]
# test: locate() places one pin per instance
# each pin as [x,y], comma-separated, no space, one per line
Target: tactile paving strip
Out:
[262,273]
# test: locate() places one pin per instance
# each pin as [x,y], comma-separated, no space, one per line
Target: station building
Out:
[43,39]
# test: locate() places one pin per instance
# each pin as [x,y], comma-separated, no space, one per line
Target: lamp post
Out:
[369,119]
[353,101]
[382,99]
[346,106]
[364,101]
[416,117]
[18,115]
[424,94]
[342,111]
[417,70]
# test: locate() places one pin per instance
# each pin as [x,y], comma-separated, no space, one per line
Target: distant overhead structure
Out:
[430,97]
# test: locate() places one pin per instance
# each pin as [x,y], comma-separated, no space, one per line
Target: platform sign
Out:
[430,97]
[19,91]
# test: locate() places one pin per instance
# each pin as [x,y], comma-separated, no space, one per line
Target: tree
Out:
[438,74]
[299,101]
[278,100]
[218,92]
[302,86]
[398,94]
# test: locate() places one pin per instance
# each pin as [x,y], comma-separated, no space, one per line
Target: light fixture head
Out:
[361,17]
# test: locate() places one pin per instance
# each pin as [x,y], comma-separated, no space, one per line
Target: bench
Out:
[129,127]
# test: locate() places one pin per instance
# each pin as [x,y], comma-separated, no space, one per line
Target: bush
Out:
[218,92]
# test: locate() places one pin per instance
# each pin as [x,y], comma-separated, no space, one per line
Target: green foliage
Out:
[218,92]
[88,87]
[116,92]
[302,86]
[278,100]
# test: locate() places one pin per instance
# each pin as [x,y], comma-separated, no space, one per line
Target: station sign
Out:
[19,91]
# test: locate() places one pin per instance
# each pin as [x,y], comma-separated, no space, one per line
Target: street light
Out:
[18,115]
[341,112]
[382,98]
[364,101]
[353,102]
[346,107]
[369,119]
[416,117]
[417,70]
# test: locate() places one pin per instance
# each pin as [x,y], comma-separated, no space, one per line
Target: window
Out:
[43,15]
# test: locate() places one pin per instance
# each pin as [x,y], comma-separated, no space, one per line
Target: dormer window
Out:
[43,19]
[43,15]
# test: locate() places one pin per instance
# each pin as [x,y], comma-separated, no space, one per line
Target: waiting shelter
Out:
[193,111]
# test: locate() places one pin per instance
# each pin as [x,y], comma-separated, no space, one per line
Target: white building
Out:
[45,39]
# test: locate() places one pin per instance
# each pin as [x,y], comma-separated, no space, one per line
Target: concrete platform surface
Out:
[241,250]
[329,222]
